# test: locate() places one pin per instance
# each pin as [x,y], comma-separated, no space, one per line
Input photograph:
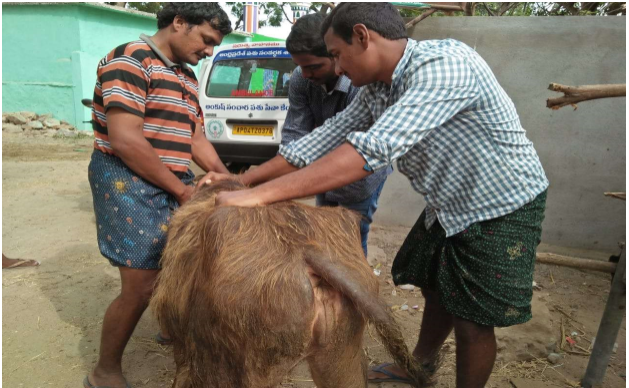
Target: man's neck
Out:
[161,41]
[392,52]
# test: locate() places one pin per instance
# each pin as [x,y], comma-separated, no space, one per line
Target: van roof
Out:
[251,50]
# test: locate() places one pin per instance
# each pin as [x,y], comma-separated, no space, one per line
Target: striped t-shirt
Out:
[138,78]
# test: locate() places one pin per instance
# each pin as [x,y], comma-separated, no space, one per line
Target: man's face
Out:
[319,70]
[192,43]
[353,60]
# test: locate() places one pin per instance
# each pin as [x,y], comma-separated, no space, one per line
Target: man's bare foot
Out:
[114,380]
[17,263]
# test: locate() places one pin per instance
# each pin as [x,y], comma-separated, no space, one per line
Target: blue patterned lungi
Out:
[132,215]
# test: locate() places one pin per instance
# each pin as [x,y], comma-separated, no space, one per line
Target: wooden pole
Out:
[574,262]
[608,329]
[575,94]
[620,195]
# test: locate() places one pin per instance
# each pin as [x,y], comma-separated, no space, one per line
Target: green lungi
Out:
[483,274]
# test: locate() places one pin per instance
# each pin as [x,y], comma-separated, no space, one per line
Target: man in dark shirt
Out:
[316,94]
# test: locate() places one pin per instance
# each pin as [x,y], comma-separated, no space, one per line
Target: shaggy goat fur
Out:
[236,294]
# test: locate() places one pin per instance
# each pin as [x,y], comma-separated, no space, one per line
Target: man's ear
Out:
[362,35]
[178,23]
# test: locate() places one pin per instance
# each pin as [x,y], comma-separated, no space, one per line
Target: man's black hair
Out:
[304,37]
[382,18]
[195,14]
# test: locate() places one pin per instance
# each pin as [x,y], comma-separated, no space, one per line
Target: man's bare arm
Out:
[128,142]
[337,169]
[204,154]
[267,171]
[272,169]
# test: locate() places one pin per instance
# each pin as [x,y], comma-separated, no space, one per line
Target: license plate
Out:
[253,130]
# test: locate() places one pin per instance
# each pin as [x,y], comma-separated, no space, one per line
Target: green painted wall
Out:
[38,42]
[50,54]
[119,27]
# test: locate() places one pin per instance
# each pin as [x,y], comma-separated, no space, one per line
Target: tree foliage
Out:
[550,9]
[276,13]
[527,9]
[150,7]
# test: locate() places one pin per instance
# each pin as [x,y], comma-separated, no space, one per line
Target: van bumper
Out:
[246,153]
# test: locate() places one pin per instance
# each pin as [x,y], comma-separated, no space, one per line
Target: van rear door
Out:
[245,101]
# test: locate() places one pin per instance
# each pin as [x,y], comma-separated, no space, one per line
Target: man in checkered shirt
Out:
[436,108]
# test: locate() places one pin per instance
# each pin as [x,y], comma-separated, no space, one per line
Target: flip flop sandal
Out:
[87,384]
[23,264]
[163,341]
[392,377]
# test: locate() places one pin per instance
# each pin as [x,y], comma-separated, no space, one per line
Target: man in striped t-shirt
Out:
[148,126]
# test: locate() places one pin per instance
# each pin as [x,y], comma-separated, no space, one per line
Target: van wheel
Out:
[238,168]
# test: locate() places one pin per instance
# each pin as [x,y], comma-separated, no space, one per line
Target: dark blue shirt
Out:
[310,106]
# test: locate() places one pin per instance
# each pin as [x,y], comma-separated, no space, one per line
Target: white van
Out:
[244,98]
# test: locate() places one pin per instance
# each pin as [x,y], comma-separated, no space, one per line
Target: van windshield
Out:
[250,78]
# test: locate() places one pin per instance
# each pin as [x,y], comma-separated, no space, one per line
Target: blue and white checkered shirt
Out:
[452,128]
[310,106]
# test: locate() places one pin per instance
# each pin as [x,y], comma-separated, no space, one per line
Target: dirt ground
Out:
[51,315]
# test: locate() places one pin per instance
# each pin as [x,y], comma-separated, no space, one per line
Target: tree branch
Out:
[420,18]
[504,7]
[287,18]
[239,21]
[571,8]
[470,8]
[620,10]
[325,7]
[488,10]
[576,94]
[441,7]
[555,9]
[591,7]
